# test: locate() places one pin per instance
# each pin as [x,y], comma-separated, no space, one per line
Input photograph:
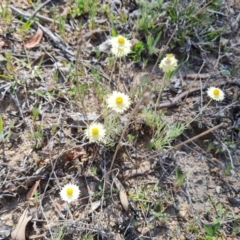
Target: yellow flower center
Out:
[95,131]
[69,191]
[216,91]
[168,60]
[169,56]
[119,100]
[121,40]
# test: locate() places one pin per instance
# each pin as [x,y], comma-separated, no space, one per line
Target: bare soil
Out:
[50,149]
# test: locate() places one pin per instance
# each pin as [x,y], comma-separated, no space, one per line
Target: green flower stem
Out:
[126,126]
[110,80]
[201,111]
[166,81]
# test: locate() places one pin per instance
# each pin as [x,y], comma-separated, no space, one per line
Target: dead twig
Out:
[175,100]
[39,8]
[46,19]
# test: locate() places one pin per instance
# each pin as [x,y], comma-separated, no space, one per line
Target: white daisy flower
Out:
[70,192]
[95,132]
[120,46]
[169,63]
[118,101]
[215,93]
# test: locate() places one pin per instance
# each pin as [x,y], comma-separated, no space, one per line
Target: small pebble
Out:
[11,153]
[218,189]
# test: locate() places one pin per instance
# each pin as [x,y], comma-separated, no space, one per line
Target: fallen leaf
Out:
[76,152]
[34,40]
[215,160]
[94,206]
[59,206]
[32,190]
[124,199]
[122,194]
[19,232]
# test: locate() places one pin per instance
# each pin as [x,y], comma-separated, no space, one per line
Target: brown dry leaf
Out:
[122,194]
[59,206]
[34,40]
[215,160]
[32,190]
[76,152]
[19,232]
[124,199]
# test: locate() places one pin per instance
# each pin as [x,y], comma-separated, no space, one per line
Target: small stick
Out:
[175,100]
[46,19]
[39,8]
